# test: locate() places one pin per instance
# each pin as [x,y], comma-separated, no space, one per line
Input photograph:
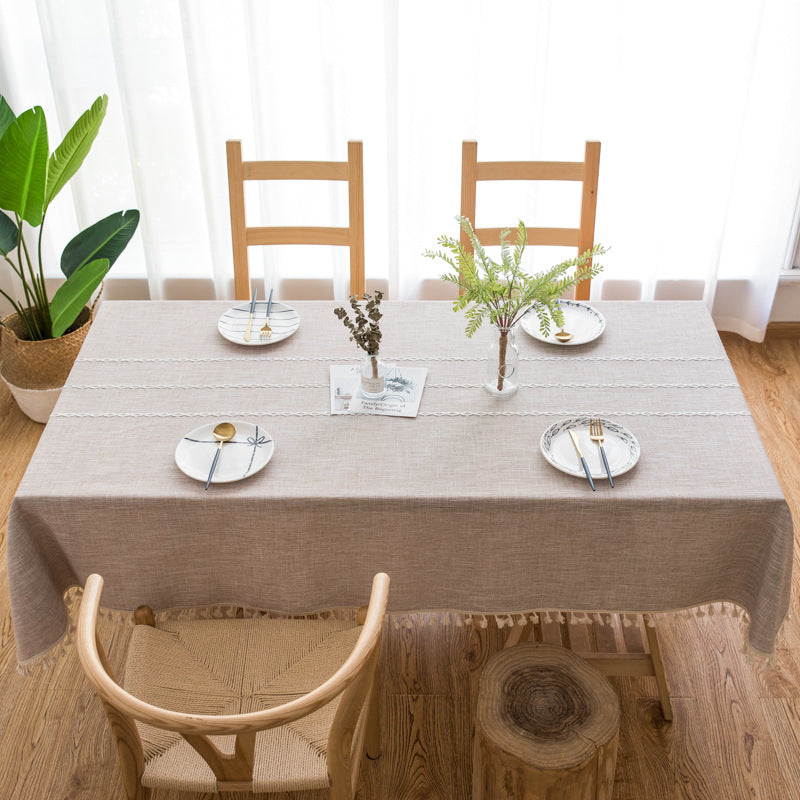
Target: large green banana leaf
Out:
[69,155]
[74,294]
[105,239]
[7,116]
[9,234]
[23,166]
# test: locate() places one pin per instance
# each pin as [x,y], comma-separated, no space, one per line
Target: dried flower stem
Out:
[365,326]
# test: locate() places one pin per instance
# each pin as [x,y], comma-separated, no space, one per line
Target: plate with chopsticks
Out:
[622,448]
[248,450]
[283,321]
[582,324]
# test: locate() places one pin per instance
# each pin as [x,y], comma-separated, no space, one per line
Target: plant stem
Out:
[20,269]
[501,367]
[41,269]
[374,360]
[20,312]
[31,320]
[17,271]
[42,307]
[31,315]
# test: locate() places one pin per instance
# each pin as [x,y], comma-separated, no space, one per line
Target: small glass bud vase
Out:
[502,363]
[373,375]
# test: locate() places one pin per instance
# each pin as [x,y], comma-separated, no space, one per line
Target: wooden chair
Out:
[242,236]
[248,705]
[586,172]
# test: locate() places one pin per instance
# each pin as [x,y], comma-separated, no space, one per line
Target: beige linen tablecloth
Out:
[458,505]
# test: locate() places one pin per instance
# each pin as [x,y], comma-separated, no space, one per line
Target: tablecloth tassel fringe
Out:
[757,660]
[410,620]
[550,616]
[43,663]
[229,611]
[460,619]
[118,617]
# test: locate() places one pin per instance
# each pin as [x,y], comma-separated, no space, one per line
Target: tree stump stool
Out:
[547,727]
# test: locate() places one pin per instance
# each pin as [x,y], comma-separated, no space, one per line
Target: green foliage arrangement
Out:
[364,328]
[30,178]
[503,293]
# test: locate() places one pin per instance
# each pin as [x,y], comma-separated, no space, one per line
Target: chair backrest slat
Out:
[295,171]
[562,237]
[530,171]
[293,235]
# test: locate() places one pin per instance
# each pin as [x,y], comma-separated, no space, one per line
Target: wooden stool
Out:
[547,727]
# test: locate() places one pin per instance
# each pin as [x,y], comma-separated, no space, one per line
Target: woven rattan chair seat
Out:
[237,666]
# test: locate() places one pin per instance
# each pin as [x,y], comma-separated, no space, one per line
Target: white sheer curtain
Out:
[697,106]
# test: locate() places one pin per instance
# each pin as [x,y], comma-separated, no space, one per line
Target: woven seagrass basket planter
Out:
[36,371]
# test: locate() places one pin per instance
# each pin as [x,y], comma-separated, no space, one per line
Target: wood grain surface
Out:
[546,727]
[735,734]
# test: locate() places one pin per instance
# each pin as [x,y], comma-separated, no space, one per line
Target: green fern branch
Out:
[503,292]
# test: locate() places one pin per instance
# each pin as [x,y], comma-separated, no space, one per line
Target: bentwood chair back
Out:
[586,172]
[243,236]
[253,704]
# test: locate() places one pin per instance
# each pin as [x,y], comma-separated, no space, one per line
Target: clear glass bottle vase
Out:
[373,375]
[502,363]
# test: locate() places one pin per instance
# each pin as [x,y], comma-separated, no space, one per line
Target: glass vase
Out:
[502,363]
[373,376]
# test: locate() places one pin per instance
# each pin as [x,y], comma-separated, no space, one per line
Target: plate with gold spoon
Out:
[582,324]
[224,451]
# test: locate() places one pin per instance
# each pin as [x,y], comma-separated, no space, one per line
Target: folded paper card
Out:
[400,398]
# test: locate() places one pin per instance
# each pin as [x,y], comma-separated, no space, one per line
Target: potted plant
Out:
[503,293]
[365,331]
[41,339]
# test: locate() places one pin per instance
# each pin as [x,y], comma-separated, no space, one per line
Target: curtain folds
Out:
[697,106]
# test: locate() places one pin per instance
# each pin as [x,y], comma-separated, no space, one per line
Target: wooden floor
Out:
[736,733]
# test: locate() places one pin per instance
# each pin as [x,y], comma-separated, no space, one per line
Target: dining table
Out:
[457,504]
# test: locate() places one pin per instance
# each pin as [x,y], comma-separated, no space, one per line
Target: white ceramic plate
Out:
[622,449]
[244,455]
[283,320]
[584,322]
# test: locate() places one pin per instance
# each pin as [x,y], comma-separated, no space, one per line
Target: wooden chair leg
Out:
[658,668]
[129,751]
[519,634]
[372,738]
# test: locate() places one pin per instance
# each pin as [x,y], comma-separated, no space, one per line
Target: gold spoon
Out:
[563,336]
[223,432]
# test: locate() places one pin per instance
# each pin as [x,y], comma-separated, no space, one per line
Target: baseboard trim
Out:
[783,330]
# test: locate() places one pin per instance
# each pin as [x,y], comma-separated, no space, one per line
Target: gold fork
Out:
[596,435]
[266,331]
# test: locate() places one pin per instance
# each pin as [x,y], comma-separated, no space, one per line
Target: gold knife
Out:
[580,456]
[252,311]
